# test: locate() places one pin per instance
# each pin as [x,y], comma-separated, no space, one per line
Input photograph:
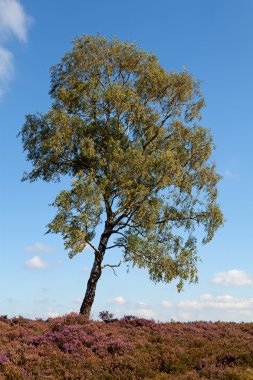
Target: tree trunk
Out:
[94,275]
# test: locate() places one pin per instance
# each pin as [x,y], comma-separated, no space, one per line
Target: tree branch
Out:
[92,246]
[181,219]
[124,215]
[112,267]
[151,140]
[136,228]
[119,233]
[115,245]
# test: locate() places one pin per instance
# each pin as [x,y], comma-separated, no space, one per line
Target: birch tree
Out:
[126,134]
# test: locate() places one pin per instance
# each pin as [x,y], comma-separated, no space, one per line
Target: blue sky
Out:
[214,41]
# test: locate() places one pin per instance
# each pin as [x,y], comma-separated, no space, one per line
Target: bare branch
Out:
[128,216]
[136,228]
[115,245]
[112,200]
[181,219]
[119,233]
[169,114]
[142,256]
[151,140]
[92,246]
[118,212]
[112,267]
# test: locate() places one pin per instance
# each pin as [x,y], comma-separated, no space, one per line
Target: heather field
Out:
[71,347]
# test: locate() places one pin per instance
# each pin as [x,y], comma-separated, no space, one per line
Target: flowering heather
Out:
[71,347]
[3,358]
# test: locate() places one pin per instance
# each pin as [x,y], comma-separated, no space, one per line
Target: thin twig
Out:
[112,267]
[92,246]
[115,245]
[120,233]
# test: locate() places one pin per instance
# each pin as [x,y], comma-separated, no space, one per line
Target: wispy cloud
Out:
[218,302]
[126,307]
[86,269]
[36,263]
[167,304]
[14,22]
[232,277]
[142,312]
[11,300]
[141,304]
[45,289]
[78,301]
[6,69]
[213,307]
[230,174]
[52,314]
[117,300]
[39,248]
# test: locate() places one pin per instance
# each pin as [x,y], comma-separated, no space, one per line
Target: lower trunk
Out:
[94,277]
[91,285]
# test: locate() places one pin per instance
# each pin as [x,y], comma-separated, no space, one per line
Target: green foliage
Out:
[79,212]
[127,133]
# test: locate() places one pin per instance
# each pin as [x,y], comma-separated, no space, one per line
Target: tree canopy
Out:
[126,132]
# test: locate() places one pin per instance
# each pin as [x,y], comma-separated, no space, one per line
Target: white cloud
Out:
[72,311]
[232,277]
[117,300]
[13,22]
[125,307]
[52,314]
[210,307]
[6,69]
[141,304]
[86,269]
[229,174]
[207,307]
[78,301]
[206,297]
[167,304]
[217,302]
[190,304]
[36,263]
[142,312]
[39,248]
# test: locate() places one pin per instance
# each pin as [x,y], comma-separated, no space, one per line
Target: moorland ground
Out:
[72,347]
